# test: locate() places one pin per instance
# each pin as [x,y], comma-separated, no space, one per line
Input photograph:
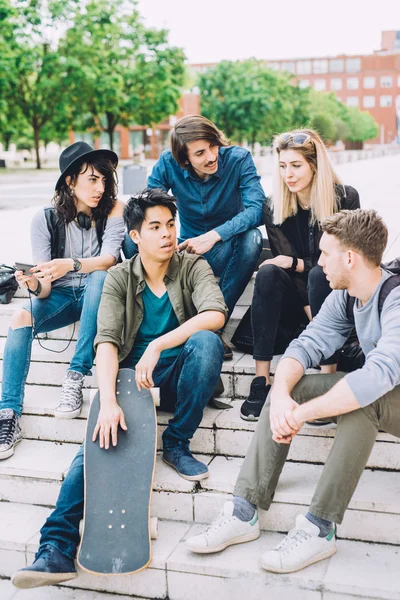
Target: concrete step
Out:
[8,592]
[358,570]
[221,432]
[34,474]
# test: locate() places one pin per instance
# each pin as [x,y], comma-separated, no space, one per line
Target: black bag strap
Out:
[12,269]
[388,286]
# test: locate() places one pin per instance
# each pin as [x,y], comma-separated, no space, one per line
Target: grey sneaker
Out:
[70,404]
[10,432]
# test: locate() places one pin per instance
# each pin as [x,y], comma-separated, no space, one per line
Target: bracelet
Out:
[37,291]
[294,264]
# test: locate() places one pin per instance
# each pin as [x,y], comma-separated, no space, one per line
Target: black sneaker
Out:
[252,407]
[10,432]
[50,568]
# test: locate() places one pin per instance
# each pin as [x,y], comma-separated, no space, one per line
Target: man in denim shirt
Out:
[220,199]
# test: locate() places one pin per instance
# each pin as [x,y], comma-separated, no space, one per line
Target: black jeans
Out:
[277,309]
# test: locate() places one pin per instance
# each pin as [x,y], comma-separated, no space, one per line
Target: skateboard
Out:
[118,484]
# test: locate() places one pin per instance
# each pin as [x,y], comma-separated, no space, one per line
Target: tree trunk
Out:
[110,130]
[7,141]
[36,132]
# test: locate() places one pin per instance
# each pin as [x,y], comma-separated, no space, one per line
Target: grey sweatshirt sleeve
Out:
[40,239]
[113,237]
[381,371]
[326,333]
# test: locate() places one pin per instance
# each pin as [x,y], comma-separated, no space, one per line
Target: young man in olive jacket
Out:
[157,314]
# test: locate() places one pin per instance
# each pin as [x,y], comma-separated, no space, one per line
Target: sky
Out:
[214,30]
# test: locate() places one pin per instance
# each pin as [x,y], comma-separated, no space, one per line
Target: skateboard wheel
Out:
[153,528]
[155,394]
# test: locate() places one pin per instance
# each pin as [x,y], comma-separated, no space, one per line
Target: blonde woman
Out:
[291,288]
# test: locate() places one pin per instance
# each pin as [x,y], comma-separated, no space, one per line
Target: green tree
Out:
[38,77]
[362,126]
[249,101]
[124,72]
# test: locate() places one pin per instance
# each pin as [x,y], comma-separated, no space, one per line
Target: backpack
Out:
[351,356]
[389,285]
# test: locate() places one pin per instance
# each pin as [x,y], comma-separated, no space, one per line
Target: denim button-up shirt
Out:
[229,202]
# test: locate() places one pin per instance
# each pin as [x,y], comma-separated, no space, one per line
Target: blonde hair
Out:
[323,199]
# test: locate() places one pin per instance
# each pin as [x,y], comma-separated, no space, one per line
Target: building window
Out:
[320,85]
[369,83]
[320,66]
[369,101]
[352,83]
[386,81]
[336,65]
[304,83]
[352,101]
[385,101]
[353,65]
[336,83]
[274,66]
[398,80]
[290,67]
[303,67]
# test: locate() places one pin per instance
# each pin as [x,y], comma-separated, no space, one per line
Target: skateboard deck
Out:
[118,486]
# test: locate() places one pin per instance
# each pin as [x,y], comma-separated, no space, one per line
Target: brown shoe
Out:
[228,354]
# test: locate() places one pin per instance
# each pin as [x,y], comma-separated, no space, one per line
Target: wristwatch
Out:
[77,265]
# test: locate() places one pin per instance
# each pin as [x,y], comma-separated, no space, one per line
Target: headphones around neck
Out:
[84,221]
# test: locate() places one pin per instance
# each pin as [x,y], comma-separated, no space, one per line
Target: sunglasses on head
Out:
[297,138]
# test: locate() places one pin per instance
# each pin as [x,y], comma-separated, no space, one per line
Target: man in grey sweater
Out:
[364,401]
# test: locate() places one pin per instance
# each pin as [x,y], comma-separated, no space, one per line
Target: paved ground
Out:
[23,192]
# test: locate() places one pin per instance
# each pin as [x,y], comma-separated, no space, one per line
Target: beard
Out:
[339,282]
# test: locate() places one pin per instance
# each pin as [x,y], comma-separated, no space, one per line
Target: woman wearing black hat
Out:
[73,244]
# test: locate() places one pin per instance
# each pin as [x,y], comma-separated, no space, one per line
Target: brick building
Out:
[370,82]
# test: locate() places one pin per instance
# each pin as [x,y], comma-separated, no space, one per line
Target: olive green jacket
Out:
[191,287]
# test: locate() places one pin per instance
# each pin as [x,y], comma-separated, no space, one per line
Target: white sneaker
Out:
[70,403]
[301,547]
[225,531]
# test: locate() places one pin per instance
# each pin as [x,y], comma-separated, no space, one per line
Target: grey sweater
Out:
[379,339]
[80,243]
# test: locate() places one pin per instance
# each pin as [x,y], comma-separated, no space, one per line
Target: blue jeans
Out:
[62,307]
[186,385]
[129,248]
[234,262]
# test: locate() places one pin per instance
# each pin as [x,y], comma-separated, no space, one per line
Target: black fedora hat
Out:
[78,151]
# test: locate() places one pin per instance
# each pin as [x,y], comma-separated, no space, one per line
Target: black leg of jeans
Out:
[318,290]
[276,303]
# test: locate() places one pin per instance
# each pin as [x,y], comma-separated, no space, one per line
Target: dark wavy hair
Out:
[191,129]
[135,208]
[64,201]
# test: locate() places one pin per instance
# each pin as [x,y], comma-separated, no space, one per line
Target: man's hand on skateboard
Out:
[110,417]
[145,367]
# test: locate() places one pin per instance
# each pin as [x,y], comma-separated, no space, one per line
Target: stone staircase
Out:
[368,560]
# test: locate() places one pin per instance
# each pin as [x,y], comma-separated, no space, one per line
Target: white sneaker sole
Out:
[10,452]
[303,565]
[242,539]
[249,418]
[72,414]
[188,477]
[25,580]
